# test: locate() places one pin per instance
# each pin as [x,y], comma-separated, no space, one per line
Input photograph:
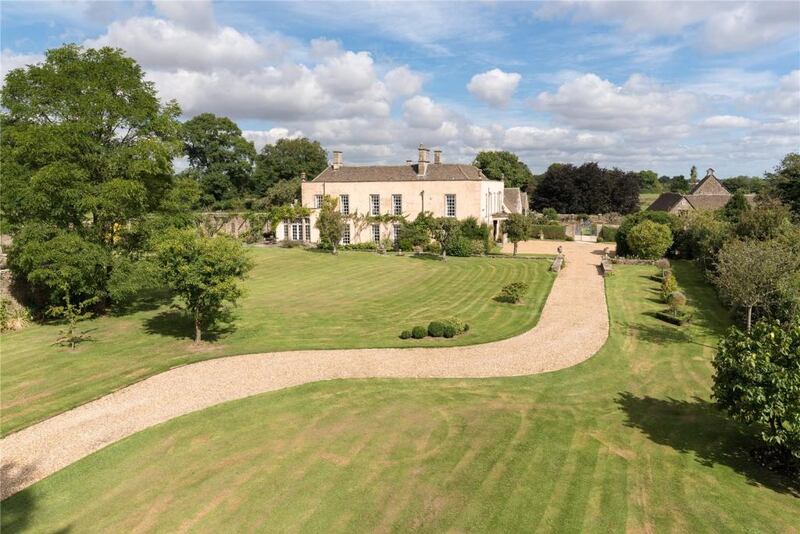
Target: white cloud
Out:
[422,112]
[745,26]
[194,14]
[325,48]
[402,81]
[494,87]
[163,44]
[728,121]
[592,102]
[269,137]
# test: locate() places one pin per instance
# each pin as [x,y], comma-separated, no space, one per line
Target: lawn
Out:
[645,199]
[296,300]
[626,441]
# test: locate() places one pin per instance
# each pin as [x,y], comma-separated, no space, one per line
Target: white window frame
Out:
[376,233]
[447,198]
[397,204]
[396,233]
[374,204]
[286,224]
[317,201]
[307,222]
[346,234]
[344,204]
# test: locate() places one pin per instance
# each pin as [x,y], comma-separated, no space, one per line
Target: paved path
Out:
[559,340]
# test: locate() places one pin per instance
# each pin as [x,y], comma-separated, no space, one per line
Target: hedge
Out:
[608,233]
[678,320]
[549,231]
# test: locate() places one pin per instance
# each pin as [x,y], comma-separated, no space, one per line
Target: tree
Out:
[517,227]
[330,222]
[679,184]
[648,182]
[87,153]
[287,159]
[735,207]
[504,165]
[220,158]
[587,189]
[765,221]
[445,230]
[203,273]
[785,181]
[661,217]
[757,381]
[745,184]
[282,192]
[693,175]
[649,240]
[750,273]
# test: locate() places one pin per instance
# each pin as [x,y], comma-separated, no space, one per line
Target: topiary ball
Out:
[405,334]
[419,332]
[436,329]
[449,331]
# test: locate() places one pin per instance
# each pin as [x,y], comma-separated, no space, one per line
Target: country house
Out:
[707,195]
[370,193]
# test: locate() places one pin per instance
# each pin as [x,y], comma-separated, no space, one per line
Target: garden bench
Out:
[607,266]
[557,263]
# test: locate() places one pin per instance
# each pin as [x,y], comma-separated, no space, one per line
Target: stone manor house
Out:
[444,189]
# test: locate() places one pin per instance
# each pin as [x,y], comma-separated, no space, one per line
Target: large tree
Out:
[587,189]
[87,151]
[785,181]
[203,272]
[506,166]
[287,159]
[220,158]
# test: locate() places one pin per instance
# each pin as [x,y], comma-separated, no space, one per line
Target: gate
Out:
[585,230]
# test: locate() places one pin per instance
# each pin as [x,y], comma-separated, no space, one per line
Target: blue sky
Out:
[637,85]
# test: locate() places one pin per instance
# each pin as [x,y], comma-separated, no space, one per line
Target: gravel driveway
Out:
[572,327]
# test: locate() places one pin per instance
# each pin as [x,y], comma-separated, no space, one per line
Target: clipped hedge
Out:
[405,334]
[419,332]
[549,231]
[678,320]
[436,329]
[608,233]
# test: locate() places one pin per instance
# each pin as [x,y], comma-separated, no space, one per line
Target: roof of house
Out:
[665,201]
[708,202]
[514,199]
[400,173]
[709,185]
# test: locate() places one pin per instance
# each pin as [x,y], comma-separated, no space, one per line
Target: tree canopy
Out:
[785,181]
[588,188]
[220,158]
[287,159]
[504,165]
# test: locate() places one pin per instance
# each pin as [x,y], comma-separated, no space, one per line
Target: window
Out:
[344,204]
[317,201]
[397,204]
[449,205]
[297,230]
[286,229]
[308,229]
[374,204]
[396,233]
[376,233]
[346,235]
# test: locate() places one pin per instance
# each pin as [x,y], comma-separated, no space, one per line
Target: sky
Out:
[636,85]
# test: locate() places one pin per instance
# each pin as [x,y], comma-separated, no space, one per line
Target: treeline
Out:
[587,188]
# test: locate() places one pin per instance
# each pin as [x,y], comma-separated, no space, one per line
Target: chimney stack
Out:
[408,162]
[423,161]
[337,160]
[302,177]
[437,157]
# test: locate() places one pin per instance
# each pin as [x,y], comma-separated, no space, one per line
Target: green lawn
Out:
[645,199]
[625,442]
[296,300]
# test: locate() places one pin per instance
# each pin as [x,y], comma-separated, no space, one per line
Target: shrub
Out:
[459,325]
[630,221]
[433,247]
[649,240]
[449,331]
[607,233]
[668,285]
[461,246]
[549,231]
[663,264]
[676,300]
[679,319]
[436,329]
[512,293]
[550,214]
[419,332]
[405,334]
[360,246]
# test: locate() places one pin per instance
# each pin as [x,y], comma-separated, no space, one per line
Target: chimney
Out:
[337,160]
[302,177]
[408,162]
[437,157]
[423,161]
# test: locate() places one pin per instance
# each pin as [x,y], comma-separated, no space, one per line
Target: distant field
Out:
[645,199]
[627,441]
[296,299]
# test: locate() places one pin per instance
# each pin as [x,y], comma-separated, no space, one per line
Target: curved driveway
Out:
[557,341]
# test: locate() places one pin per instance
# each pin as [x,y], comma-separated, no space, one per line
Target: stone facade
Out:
[708,195]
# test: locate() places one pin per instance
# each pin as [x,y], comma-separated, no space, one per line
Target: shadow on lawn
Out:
[20,507]
[177,324]
[697,426]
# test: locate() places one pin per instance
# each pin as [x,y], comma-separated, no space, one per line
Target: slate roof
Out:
[515,200]
[665,201]
[400,173]
[708,202]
